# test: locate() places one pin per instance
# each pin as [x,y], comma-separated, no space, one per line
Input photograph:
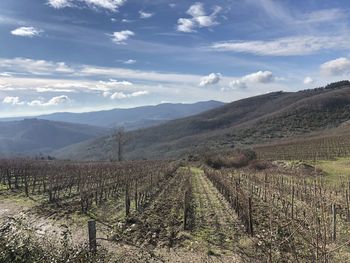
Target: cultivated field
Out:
[313,148]
[166,211]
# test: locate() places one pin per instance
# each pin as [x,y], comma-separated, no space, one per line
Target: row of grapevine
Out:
[307,149]
[289,217]
[90,182]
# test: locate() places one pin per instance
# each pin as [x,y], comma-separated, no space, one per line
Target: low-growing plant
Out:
[19,244]
[235,159]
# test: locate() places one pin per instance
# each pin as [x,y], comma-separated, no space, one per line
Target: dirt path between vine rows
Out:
[217,227]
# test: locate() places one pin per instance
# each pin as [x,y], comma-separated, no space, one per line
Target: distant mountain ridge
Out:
[132,118]
[33,136]
[29,136]
[249,121]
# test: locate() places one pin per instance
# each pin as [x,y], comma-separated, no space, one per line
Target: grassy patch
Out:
[3,187]
[246,244]
[196,170]
[19,198]
[336,170]
[79,218]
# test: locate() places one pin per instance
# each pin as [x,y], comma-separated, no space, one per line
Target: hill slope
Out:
[33,136]
[249,121]
[133,118]
[321,145]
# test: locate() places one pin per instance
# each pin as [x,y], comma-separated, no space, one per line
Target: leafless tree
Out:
[120,141]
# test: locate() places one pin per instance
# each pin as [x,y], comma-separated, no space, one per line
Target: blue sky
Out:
[83,55]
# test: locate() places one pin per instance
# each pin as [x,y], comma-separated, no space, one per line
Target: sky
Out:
[88,55]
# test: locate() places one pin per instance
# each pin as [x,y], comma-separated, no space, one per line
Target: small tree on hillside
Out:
[120,140]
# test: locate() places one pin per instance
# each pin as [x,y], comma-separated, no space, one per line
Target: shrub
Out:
[237,159]
[19,244]
[259,165]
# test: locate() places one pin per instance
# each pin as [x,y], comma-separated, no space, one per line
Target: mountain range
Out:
[132,118]
[29,136]
[246,122]
[34,136]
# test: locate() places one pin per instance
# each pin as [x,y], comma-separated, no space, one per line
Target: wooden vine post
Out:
[92,235]
[293,202]
[26,190]
[136,196]
[250,222]
[334,222]
[127,200]
[347,206]
[185,210]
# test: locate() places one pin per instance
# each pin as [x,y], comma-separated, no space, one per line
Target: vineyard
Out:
[292,219]
[318,148]
[136,182]
[227,215]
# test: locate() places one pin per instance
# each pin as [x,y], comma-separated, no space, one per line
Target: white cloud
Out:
[260,77]
[5,74]
[112,84]
[69,85]
[118,95]
[137,74]
[211,79]
[34,66]
[130,61]
[308,80]
[60,3]
[205,21]
[110,5]
[9,87]
[12,100]
[289,46]
[121,36]
[278,10]
[139,93]
[121,95]
[186,25]
[145,15]
[336,67]
[199,18]
[55,101]
[27,67]
[44,90]
[106,94]
[196,9]
[61,67]
[237,84]
[26,32]
[4,86]
[323,15]
[58,100]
